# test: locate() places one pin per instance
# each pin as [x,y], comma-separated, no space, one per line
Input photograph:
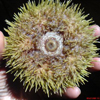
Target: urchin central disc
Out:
[51,44]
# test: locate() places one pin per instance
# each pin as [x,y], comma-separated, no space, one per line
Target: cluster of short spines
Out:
[38,70]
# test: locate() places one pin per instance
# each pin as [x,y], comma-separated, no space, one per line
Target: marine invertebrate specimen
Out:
[50,46]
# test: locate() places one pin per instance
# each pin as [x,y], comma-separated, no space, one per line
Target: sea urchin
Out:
[50,46]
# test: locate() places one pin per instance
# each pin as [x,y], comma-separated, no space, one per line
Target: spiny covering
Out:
[36,35]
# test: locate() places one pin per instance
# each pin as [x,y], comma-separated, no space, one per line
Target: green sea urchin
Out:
[50,46]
